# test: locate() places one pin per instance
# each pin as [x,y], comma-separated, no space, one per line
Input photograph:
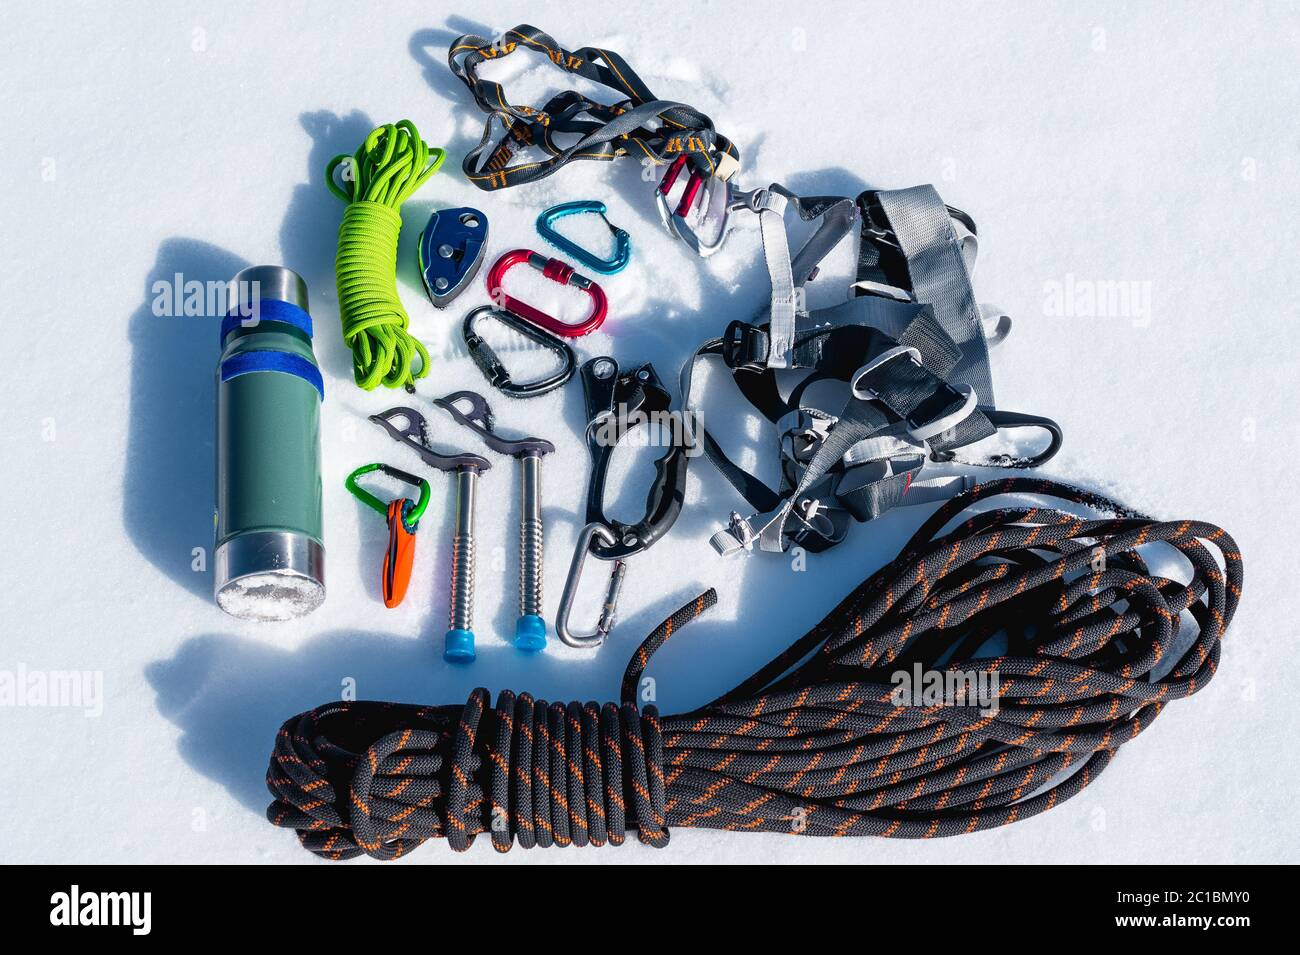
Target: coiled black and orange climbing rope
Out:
[1089,646]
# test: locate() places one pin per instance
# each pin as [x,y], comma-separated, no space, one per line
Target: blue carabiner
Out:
[622,241]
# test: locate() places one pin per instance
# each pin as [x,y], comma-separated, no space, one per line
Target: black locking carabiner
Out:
[497,374]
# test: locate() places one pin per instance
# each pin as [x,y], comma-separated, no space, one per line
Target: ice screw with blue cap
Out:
[530,628]
[458,646]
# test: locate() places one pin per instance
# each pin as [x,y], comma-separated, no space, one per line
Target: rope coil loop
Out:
[1086,643]
[385,171]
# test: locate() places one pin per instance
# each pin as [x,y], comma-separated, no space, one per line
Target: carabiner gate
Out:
[622,242]
[584,641]
[558,272]
[485,357]
[715,207]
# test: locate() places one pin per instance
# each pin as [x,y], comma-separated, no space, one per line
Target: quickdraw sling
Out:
[640,124]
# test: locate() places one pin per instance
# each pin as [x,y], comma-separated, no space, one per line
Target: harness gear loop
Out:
[622,241]
[485,357]
[588,538]
[558,272]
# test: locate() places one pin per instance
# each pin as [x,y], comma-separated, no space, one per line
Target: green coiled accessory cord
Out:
[384,172]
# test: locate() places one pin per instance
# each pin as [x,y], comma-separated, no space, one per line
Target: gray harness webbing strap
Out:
[923,228]
[788,275]
[770,206]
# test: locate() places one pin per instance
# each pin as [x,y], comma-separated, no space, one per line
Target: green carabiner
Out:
[411,513]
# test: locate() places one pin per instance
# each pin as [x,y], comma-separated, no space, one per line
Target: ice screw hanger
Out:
[622,241]
[403,516]
[530,628]
[458,646]
[558,272]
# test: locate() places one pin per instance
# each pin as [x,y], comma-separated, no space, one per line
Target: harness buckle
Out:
[738,535]
[745,347]
[560,273]
[918,430]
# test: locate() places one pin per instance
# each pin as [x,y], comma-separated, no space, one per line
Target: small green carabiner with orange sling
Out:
[403,517]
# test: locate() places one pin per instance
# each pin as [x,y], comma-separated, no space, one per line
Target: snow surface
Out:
[1091,143]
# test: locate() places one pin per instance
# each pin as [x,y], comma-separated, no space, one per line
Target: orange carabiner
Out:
[399,557]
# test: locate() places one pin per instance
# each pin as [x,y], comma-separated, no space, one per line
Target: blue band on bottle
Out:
[248,362]
[267,310]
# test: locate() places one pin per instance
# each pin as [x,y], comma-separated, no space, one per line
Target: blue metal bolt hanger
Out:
[622,242]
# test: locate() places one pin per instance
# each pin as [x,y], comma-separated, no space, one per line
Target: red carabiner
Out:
[556,271]
[693,183]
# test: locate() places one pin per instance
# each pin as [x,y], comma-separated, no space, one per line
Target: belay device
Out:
[451,251]
[616,401]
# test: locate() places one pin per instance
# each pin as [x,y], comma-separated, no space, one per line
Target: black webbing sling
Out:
[639,124]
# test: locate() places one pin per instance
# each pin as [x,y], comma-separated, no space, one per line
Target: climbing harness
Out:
[451,251]
[639,125]
[458,643]
[910,346]
[617,401]
[530,628]
[403,516]
[622,241]
[386,170]
[560,273]
[485,357]
[1079,644]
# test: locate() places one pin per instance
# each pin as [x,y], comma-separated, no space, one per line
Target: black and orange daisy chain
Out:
[1092,646]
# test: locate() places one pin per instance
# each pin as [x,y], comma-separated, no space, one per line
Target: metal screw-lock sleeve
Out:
[459,646]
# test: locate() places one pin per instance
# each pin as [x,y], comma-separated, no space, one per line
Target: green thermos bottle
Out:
[270,556]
